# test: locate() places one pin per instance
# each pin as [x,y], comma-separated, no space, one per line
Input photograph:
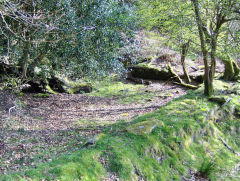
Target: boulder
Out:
[56,84]
[218,100]
[149,72]
[80,88]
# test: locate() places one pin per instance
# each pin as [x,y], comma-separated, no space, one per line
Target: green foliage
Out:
[77,38]
[207,168]
[174,19]
[11,83]
[98,28]
[41,95]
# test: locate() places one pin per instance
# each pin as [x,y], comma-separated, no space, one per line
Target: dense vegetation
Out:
[89,38]
[98,47]
[78,38]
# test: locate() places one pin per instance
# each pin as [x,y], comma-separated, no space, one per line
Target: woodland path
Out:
[63,111]
[60,123]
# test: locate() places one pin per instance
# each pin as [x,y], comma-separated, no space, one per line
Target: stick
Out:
[190,86]
[229,147]
[9,111]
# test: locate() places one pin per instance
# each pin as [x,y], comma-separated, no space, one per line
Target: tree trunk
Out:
[236,69]
[41,56]
[184,52]
[213,62]
[208,83]
[231,71]
[25,58]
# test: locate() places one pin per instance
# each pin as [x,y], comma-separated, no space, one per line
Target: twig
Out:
[9,111]
[190,86]
[229,147]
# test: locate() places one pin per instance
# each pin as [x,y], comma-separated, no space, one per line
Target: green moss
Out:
[41,95]
[149,65]
[126,93]
[185,138]
[149,71]
[144,127]
[72,87]
[49,89]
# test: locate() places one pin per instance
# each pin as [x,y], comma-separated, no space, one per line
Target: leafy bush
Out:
[79,38]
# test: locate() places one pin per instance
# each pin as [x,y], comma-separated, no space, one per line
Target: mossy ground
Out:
[185,141]
[124,92]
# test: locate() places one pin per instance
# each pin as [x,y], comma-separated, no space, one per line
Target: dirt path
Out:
[64,111]
[41,129]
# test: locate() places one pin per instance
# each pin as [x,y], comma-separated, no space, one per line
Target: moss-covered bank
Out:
[189,137]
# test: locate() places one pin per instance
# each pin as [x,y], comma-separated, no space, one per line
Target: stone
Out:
[219,100]
[142,128]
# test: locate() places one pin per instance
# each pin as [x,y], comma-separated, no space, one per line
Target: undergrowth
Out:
[184,142]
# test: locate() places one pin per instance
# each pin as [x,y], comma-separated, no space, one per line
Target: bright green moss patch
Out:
[49,89]
[41,95]
[144,127]
[186,136]
[126,93]
[110,89]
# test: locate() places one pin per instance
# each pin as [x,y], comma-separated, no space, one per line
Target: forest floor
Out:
[44,138]
[34,128]
[43,128]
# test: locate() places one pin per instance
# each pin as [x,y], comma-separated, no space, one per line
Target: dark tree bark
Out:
[231,71]
[211,40]
[208,83]
[184,52]
[25,58]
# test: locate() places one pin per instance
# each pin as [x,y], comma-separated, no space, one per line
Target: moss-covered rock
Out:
[80,88]
[197,77]
[219,100]
[146,71]
[64,85]
[145,127]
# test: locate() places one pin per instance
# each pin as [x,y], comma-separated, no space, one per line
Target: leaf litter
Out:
[41,129]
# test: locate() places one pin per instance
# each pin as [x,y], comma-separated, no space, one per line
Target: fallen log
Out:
[180,81]
[189,86]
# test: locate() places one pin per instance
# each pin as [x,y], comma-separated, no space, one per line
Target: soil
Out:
[61,111]
[31,125]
